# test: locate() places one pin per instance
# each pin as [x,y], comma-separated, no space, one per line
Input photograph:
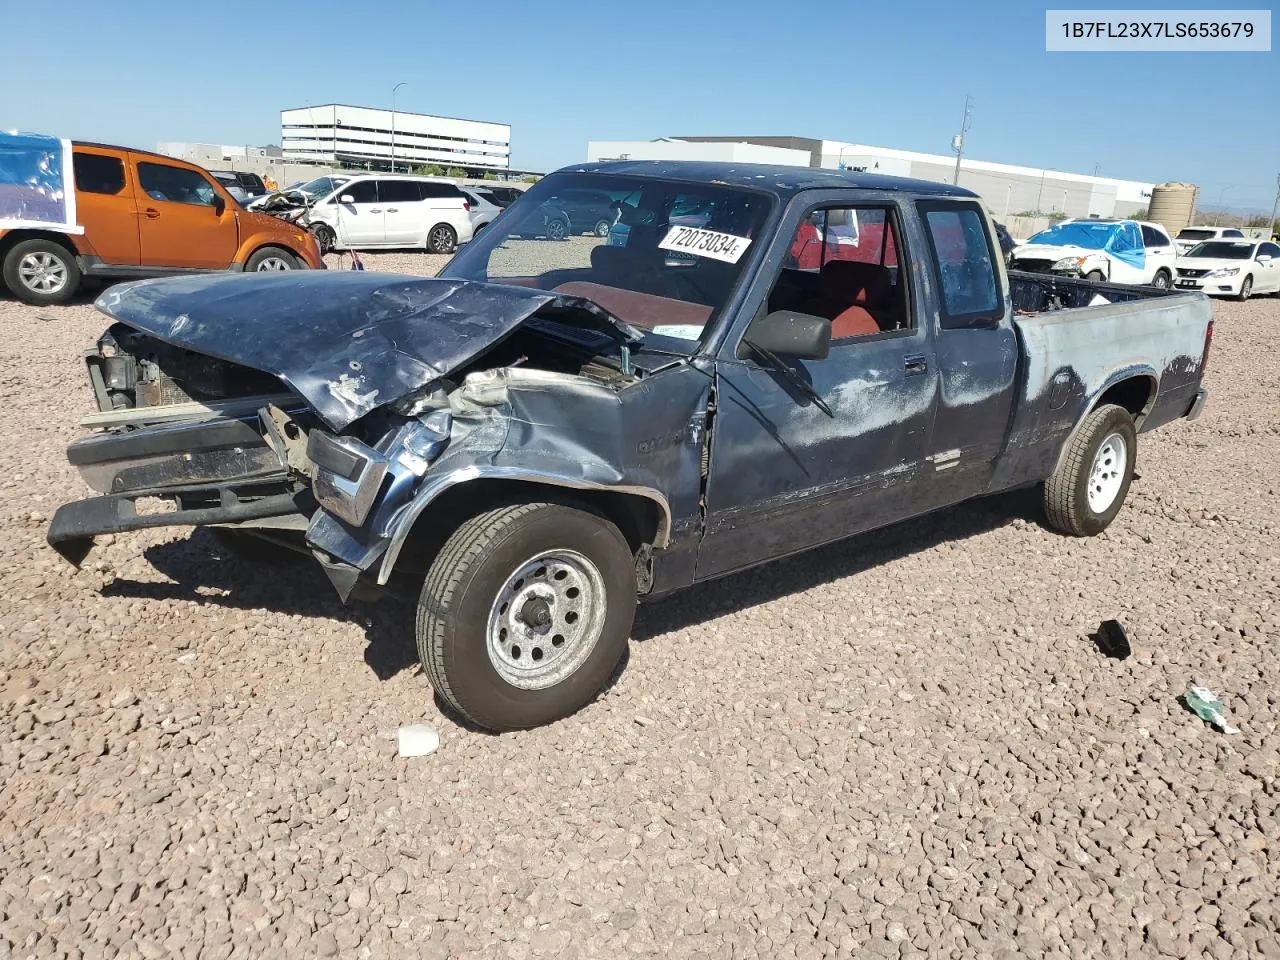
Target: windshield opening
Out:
[321,187]
[1222,250]
[661,255]
[1089,235]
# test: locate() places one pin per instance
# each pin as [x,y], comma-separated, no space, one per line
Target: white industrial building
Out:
[1008,190]
[667,148]
[362,137]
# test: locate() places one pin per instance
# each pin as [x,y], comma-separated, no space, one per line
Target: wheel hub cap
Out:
[42,272]
[1108,472]
[546,619]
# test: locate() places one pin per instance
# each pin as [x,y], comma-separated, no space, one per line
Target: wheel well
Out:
[15,237]
[1134,394]
[272,246]
[637,517]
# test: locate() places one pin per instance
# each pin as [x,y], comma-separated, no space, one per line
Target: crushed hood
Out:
[347,342]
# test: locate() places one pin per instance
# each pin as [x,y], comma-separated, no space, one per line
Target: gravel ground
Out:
[905,745]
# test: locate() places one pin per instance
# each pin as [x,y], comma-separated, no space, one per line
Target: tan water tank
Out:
[1173,205]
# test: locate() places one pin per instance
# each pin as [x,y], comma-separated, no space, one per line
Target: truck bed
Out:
[1041,293]
[1149,343]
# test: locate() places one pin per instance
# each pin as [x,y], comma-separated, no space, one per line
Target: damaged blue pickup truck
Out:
[753,362]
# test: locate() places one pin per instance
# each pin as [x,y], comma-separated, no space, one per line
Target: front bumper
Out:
[74,525]
[1213,286]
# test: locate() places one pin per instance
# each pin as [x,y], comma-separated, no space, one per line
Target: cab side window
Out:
[96,173]
[159,181]
[963,263]
[843,265]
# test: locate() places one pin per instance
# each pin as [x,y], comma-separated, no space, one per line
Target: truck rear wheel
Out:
[1088,488]
[525,613]
[41,272]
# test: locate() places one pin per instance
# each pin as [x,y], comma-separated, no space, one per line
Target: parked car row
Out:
[1106,250]
[145,215]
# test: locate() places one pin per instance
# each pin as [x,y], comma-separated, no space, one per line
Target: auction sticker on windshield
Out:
[705,243]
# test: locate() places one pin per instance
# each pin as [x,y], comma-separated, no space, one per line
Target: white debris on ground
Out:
[902,746]
[417,740]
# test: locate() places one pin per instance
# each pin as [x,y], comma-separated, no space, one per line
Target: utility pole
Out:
[957,142]
[1271,224]
[393,123]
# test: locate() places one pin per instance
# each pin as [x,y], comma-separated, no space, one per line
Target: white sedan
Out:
[1230,268]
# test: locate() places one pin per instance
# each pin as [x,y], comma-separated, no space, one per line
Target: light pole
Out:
[393,123]
[1221,209]
[840,156]
[1040,195]
[1271,224]
[957,142]
[1008,192]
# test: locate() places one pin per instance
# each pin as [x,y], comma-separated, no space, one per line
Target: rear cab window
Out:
[963,263]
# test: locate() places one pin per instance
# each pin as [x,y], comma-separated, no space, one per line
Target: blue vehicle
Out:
[546,433]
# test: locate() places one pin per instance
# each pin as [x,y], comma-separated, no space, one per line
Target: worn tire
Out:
[1246,289]
[464,584]
[278,257]
[1066,492]
[50,253]
[1096,276]
[1162,280]
[442,238]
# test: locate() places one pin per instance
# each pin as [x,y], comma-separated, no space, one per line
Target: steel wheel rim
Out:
[1108,471]
[273,263]
[42,272]
[546,619]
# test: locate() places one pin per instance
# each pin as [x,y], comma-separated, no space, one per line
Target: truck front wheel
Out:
[1088,488]
[525,612]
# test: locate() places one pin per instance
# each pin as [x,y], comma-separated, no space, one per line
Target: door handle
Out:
[915,364]
[151,214]
[375,210]
[391,210]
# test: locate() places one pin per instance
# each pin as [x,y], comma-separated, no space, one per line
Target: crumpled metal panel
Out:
[347,342]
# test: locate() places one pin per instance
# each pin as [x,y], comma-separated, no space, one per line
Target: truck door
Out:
[976,348]
[784,475]
[105,206]
[183,220]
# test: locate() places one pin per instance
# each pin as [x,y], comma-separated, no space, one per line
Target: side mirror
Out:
[791,334]
[346,198]
[1264,258]
[219,205]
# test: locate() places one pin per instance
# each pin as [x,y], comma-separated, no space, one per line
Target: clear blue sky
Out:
[889,74]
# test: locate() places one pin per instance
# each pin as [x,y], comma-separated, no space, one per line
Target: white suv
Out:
[1188,237]
[391,210]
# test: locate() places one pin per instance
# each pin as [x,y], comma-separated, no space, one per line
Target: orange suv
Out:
[147,215]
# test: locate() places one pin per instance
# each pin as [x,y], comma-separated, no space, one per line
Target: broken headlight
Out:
[347,477]
[349,474]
